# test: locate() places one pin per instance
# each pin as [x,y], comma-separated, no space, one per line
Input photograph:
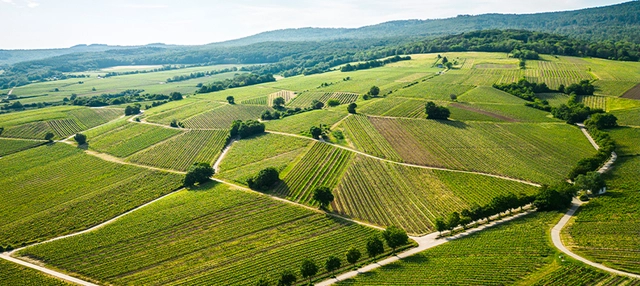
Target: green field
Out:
[606,229]
[258,148]
[305,99]
[208,236]
[13,274]
[221,118]
[500,255]
[181,151]
[629,117]
[184,112]
[535,152]
[10,146]
[579,274]
[57,189]
[301,123]
[627,140]
[390,194]
[130,139]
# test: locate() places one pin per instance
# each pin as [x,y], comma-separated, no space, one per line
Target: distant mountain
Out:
[9,57]
[619,22]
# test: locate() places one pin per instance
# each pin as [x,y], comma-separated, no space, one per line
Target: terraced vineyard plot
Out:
[301,123]
[577,274]
[34,130]
[305,99]
[130,138]
[92,117]
[286,94]
[535,152]
[433,91]
[180,152]
[221,118]
[212,236]
[10,146]
[606,229]
[258,148]
[13,274]
[386,194]
[594,101]
[184,112]
[57,189]
[513,250]
[256,101]
[365,138]
[322,166]
[65,127]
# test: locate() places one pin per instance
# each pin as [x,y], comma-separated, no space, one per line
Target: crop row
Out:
[594,101]
[528,151]
[391,194]
[221,118]
[285,94]
[10,146]
[305,99]
[322,166]
[365,137]
[575,274]
[514,250]
[184,112]
[180,152]
[256,101]
[81,191]
[92,117]
[131,138]
[14,274]
[213,236]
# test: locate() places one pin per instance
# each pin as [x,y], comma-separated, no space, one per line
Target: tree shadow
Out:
[455,124]
[84,146]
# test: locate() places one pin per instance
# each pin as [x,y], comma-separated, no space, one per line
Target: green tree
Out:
[453,220]
[375,246]
[323,196]
[308,269]
[315,132]
[333,102]
[264,179]
[351,108]
[278,102]
[374,91]
[317,104]
[287,278]
[80,138]
[441,225]
[231,100]
[49,136]
[353,255]
[436,112]
[198,173]
[445,60]
[175,96]
[591,181]
[333,263]
[395,237]
[602,121]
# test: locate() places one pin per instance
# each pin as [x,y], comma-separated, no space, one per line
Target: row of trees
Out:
[239,80]
[244,129]
[373,64]
[604,141]
[394,237]
[523,89]
[179,78]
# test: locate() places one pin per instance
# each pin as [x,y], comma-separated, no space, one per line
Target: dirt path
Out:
[424,243]
[46,271]
[216,165]
[10,92]
[575,204]
[407,164]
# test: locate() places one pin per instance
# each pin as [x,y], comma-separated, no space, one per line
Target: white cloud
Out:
[9,2]
[143,6]
[32,4]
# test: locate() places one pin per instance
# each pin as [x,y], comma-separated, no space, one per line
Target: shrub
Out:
[436,112]
[265,179]
[352,108]
[80,138]
[333,102]
[198,173]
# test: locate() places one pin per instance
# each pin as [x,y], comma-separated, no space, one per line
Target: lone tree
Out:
[176,95]
[323,196]
[278,102]
[591,181]
[441,225]
[445,60]
[317,104]
[264,179]
[353,255]
[436,112]
[375,246]
[198,173]
[287,278]
[374,91]
[308,269]
[49,137]
[453,97]
[131,110]
[333,263]
[231,100]
[351,108]
[333,102]
[80,138]
[316,132]
[395,237]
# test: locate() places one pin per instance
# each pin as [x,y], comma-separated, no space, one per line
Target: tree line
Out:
[373,64]
[238,80]
[179,78]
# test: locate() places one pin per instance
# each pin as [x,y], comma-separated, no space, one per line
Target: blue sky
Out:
[28,24]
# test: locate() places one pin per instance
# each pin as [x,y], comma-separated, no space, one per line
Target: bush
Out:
[80,138]
[198,173]
[333,102]
[131,110]
[175,96]
[352,108]
[49,136]
[584,198]
[264,180]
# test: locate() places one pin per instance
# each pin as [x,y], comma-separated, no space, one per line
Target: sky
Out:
[35,24]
